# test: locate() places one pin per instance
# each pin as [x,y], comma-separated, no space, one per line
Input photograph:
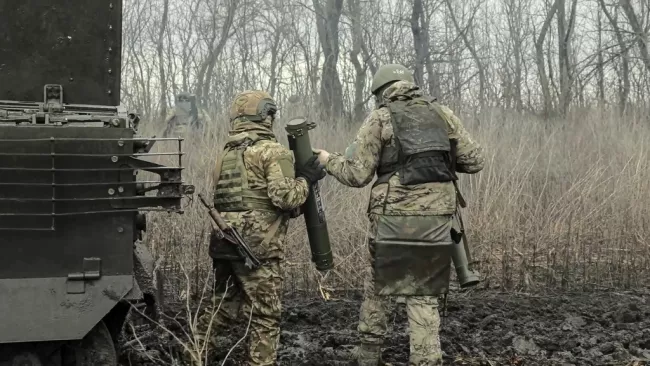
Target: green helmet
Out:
[387,73]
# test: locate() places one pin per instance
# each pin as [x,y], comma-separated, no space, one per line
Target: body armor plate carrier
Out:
[233,192]
[422,152]
[412,254]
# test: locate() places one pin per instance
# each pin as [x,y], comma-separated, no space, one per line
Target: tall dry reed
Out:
[560,204]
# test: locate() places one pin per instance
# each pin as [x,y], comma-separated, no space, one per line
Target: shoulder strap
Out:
[429,98]
[254,138]
[250,140]
[273,229]
[436,107]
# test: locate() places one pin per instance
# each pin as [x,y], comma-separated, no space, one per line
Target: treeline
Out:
[539,56]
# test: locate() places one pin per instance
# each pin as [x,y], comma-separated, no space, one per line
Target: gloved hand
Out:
[312,171]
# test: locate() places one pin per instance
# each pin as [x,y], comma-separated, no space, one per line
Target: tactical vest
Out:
[422,152]
[232,192]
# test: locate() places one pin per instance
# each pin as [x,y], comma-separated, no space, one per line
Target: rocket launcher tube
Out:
[460,256]
[460,253]
[313,211]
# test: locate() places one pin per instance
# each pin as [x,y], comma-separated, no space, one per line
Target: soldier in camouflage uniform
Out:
[185,117]
[257,190]
[411,207]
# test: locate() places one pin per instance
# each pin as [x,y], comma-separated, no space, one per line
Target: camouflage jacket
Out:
[358,166]
[269,166]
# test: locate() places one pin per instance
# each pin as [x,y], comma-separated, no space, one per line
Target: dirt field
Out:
[486,328]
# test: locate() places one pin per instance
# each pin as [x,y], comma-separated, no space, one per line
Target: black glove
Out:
[312,171]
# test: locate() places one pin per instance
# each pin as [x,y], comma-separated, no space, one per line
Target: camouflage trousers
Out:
[423,322]
[242,294]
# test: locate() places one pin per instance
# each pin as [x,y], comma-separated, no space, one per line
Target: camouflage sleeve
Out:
[357,167]
[284,189]
[469,155]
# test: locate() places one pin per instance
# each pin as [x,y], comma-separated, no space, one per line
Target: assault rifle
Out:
[225,231]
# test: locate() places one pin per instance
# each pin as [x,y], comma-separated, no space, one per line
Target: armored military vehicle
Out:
[71,201]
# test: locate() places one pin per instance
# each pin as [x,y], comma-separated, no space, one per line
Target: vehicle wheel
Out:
[96,349]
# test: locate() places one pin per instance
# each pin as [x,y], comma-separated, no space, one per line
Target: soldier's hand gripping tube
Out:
[460,256]
[319,241]
[312,171]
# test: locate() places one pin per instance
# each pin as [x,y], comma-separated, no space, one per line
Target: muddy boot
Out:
[368,354]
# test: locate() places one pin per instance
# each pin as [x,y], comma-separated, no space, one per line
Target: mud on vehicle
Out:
[71,201]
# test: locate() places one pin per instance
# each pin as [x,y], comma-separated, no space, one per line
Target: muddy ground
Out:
[483,328]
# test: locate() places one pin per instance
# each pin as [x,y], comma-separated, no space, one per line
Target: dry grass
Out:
[181,331]
[559,204]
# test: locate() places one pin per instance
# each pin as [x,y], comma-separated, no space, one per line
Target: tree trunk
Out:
[641,36]
[360,72]
[600,67]
[206,69]
[161,60]
[624,91]
[539,50]
[327,23]
[564,32]
[420,44]
[515,12]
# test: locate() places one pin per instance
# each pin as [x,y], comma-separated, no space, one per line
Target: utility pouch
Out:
[456,235]
[412,255]
[429,166]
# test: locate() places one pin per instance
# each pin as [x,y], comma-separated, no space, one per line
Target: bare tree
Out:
[539,47]
[565,31]
[328,14]
[354,10]
[624,91]
[215,39]
[471,47]
[161,61]
[639,31]
[515,10]
[479,53]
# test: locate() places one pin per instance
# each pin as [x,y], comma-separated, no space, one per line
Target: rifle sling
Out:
[272,230]
[459,196]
